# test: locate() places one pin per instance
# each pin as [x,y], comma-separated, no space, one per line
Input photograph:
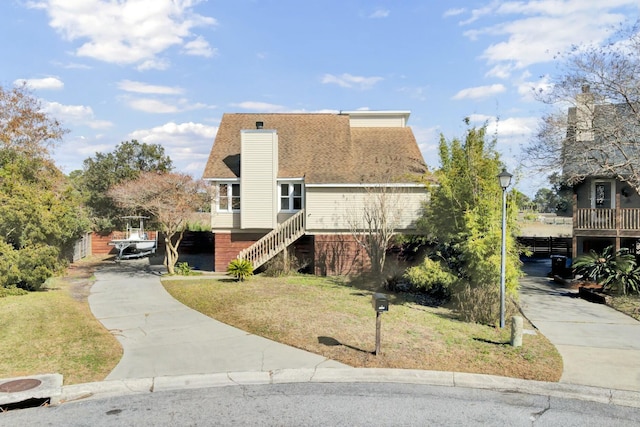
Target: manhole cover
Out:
[19,385]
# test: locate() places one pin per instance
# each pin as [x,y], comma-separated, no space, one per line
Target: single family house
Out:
[599,156]
[297,183]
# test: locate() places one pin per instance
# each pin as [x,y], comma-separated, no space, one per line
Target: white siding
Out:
[377,118]
[331,209]
[373,121]
[258,171]
[224,220]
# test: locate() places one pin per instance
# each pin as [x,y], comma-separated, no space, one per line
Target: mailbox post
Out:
[380,304]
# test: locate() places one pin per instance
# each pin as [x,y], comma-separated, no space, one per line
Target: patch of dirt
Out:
[79,276]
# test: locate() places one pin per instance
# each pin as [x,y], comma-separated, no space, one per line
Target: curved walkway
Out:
[599,345]
[162,337]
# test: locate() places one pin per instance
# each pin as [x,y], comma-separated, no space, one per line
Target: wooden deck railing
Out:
[605,219]
[276,241]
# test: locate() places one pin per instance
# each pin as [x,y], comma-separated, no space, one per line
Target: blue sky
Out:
[164,72]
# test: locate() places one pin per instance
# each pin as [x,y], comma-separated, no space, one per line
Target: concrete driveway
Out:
[162,337]
[599,345]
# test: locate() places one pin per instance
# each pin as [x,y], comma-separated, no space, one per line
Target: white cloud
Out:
[528,89]
[140,87]
[187,144]
[454,12]
[156,106]
[41,84]
[479,92]
[262,107]
[199,47]
[154,64]
[348,81]
[536,30]
[379,13]
[128,32]
[152,106]
[77,114]
[512,130]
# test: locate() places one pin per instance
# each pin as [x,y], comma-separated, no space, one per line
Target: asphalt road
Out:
[327,404]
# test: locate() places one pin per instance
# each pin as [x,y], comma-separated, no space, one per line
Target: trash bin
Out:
[558,265]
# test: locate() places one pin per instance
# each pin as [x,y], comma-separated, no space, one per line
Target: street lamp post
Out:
[505,181]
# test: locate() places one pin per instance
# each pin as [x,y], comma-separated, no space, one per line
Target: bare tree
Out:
[595,129]
[373,219]
[170,198]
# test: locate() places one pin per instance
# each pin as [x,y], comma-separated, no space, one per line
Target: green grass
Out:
[332,318]
[53,331]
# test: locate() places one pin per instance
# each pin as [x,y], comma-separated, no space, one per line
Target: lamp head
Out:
[505,179]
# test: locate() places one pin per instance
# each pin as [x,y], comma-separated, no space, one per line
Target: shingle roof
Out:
[616,142]
[323,148]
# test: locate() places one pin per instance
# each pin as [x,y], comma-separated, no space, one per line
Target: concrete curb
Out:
[107,389]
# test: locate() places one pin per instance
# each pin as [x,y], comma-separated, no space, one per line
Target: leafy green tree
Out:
[556,200]
[105,170]
[464,216]
[41,214]
[545,200]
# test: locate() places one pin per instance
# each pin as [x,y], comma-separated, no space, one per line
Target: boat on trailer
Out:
[136,242]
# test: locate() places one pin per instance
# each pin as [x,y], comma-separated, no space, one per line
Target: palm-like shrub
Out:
[613,270]
[240,269]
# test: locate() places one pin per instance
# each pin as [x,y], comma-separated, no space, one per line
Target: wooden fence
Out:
[542,247]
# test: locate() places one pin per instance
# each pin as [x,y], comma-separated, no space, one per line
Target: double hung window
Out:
[290,196]
[228,197]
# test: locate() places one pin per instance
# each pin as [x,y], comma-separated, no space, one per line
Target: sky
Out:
[164,71]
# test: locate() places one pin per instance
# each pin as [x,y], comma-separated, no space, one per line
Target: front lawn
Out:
[54,331]
[329,317]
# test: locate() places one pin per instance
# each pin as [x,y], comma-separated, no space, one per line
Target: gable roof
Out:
[322,148]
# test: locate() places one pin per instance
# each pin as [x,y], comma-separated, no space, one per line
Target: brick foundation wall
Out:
[339,254]
[228,246]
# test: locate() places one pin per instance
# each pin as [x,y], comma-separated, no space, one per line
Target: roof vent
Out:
[259,125]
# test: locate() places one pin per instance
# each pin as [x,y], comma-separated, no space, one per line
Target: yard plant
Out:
[617,272]
[240,269]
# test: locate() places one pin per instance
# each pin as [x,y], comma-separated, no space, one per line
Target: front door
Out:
[603,195]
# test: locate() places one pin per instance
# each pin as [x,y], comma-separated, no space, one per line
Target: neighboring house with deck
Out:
[606,207]
[293,183]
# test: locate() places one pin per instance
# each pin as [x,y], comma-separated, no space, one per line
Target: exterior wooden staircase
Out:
[275,241]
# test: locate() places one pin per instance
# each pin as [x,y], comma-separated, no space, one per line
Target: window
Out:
[290,196]
[228,197]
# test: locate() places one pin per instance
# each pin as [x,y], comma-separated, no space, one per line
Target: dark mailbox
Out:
[380,302]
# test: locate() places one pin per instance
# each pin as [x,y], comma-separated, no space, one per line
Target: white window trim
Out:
[229,208]
[291,182]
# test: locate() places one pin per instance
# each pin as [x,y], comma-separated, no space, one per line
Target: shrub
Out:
[29,267]
[11,291]
[184,269]
[431,277]
[481,304]
[615,271]
[276,267]
[240,269]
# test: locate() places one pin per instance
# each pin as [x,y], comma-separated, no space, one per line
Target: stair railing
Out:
[275,241]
